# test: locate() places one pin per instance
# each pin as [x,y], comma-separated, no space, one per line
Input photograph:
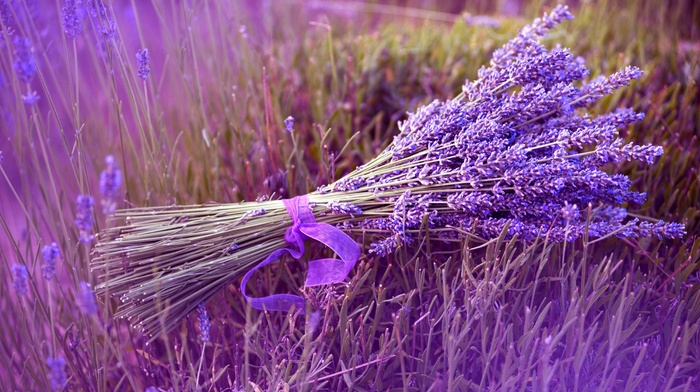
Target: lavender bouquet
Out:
[515,152]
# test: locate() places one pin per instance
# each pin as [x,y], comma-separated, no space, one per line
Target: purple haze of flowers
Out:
[19,281]
[57,372]
[24,62]
[512,152]
[289,124]
[143,57]
[204,323]
[72,14]
[86,299]
[110,184]
[84,217]
[51,255]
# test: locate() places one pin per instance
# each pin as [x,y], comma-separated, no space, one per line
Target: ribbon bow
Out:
[321,271]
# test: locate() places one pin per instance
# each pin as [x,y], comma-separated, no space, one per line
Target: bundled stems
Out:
[515,152]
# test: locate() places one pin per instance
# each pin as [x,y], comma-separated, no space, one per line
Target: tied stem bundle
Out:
[515,152]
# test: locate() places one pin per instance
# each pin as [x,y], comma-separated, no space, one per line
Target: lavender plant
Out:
[515,151]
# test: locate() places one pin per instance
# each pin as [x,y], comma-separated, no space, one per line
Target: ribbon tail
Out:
[275,302]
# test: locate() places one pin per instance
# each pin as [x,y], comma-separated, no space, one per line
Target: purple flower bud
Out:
[143,57]
[570,213]
[110,182]
[289,124]
[344,208]
[5,13]
[102,19]
[86,299]
[31,97]
[57,373]
[72,14]
[24,63]
[19,282]
[204,323]
[84,217]
[51,255]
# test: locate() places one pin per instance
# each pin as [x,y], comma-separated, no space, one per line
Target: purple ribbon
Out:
[321,271]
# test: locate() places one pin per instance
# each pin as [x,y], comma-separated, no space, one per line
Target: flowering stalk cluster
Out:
[516,149]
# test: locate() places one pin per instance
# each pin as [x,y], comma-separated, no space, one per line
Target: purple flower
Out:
[289,124]
[72,14]
[110,182]
[51,255]
[84,217]
[19,282]
[344,208]
[526,44]
[104,21]
[143,57]
[570,213]
[5,13]
[24,63]
[57,372]
[86,299]
[204,323]
[31,98]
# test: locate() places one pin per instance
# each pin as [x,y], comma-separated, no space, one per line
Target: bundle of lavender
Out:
[515,149]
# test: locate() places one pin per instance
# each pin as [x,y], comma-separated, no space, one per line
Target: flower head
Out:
[19,282]
[31,97]
[289,124]
[104,21]
[110,183]
[51,255]
[5,12]
[84,217]
[204,323]
[24,62]
[143,57]
[86,299]
[72,14]
[57,372]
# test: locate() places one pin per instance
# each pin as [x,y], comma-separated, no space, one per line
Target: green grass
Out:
[208,126]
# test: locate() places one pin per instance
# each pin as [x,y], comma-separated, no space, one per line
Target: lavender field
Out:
[488,196]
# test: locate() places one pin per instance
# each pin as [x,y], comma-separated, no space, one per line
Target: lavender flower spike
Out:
[24,63]
[57,373]
[110,182]
[289,124]
[86,299]
[19,282]
[204,323]
[344,208]
[84,218]
[72,18]
[51,255]
[143,57]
